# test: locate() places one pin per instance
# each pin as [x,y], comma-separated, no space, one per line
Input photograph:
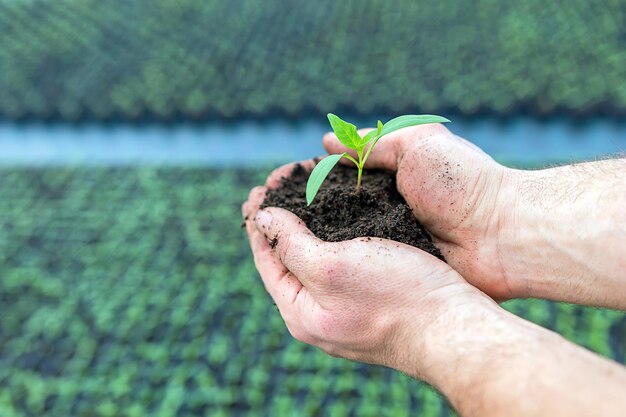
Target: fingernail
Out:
[263,220]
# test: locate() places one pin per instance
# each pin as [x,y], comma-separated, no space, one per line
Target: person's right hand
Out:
[555,233]
[461,195]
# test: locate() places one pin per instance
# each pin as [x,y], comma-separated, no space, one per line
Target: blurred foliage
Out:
[132,292]
[172,59]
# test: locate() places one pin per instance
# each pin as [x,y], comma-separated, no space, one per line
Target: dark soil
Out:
[339,212]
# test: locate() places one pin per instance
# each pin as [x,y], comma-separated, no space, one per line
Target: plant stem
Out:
[358,180]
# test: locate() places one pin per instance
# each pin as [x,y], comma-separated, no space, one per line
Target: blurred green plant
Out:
[163,59]
[132,291]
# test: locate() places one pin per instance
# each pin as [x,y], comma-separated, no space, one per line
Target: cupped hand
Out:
[462,196]
[366,299]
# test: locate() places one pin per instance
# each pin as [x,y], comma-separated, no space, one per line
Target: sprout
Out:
[348,136]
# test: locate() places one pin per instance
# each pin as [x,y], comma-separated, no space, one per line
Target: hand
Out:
[387,303]
[367,299]
[461,195]
[555,233]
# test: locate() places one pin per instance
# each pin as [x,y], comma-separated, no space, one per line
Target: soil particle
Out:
[340,213]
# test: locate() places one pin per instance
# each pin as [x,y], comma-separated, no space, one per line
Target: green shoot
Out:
[349,137]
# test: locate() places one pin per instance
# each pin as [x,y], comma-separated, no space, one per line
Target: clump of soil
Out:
[339,212]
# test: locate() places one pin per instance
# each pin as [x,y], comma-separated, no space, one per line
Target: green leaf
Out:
[346,132]
[410,120]
[369,136]
[319,174]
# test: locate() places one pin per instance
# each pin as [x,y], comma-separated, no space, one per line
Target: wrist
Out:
[538,230]
[421,342]
[510,224]
[560,234]
[475,352]
[453,345]
[488,362]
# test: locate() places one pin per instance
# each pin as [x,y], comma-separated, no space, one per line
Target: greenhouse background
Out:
[131,132]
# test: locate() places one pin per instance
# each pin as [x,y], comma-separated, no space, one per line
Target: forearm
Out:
[566,237]
[488,362]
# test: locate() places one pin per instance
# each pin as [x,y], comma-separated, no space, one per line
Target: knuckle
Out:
[256,193]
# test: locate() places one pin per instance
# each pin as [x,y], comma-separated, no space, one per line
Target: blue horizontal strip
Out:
[520,141]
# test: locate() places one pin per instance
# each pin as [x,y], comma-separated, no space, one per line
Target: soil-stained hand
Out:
[461,195]
[367,299]
[383,302]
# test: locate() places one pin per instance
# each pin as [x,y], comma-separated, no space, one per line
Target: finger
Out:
[389,150]
[276,177]
[279,282]
[384,155]
[297,248]
[255,199]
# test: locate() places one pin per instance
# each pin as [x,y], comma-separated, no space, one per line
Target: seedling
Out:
[349,137]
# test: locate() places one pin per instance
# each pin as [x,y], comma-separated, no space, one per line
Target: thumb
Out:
[384,155]
[297,247]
